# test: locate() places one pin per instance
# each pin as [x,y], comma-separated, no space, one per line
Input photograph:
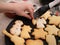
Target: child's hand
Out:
[20,7]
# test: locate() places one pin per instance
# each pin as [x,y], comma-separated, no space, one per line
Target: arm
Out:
[4,7]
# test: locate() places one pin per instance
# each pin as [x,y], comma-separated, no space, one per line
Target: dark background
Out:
[44,2]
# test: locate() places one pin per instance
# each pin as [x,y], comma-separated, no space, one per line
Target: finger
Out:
[31,12]
[25,15]
[22,13]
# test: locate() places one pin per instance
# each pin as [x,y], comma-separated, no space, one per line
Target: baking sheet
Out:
[26,22]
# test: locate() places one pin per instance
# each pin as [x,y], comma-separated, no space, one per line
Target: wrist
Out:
[5,7]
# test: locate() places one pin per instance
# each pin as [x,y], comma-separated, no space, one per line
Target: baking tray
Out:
[26,22]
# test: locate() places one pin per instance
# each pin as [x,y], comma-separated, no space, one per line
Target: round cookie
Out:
[34,42]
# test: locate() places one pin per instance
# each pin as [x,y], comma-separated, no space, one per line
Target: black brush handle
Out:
[44,8]
[41,11]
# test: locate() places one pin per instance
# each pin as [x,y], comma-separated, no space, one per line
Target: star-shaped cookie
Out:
[39,33]
[26,28]
[25,34]
[52,29]
[54,20]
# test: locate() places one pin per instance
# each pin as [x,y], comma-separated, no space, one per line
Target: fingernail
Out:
[31,17]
